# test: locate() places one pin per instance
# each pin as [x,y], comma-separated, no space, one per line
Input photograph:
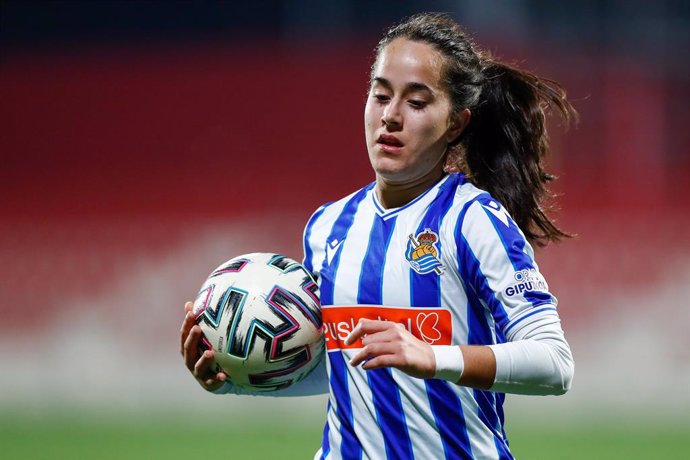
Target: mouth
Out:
[388,139]
[389,143]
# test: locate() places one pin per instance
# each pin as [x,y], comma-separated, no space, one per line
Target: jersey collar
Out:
[422,200]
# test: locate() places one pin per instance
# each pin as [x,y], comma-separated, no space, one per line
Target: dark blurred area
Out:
[128,129]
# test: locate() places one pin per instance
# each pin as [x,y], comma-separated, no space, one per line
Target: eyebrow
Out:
[411,86]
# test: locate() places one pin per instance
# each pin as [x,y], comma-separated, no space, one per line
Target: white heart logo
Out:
[426,325]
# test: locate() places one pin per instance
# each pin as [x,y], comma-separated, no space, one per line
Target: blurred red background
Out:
[113,151]
[128,170]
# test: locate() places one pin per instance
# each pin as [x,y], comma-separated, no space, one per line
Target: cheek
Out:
[370,114]
[430,130]
[370,121]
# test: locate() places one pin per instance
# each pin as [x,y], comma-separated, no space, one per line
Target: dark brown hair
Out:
[502,148]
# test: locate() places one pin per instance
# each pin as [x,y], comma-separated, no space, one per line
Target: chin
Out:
[388,173]
[385,165]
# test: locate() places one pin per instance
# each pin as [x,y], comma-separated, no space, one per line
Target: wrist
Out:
[450,363]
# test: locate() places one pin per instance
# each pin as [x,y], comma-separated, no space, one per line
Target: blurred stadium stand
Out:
[142,143]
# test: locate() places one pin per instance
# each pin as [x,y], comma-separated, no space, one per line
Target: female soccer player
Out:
[433,304]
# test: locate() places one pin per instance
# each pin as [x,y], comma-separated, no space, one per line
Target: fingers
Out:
[387,335]
[187,325]
[368,326]
[378,338]
[202,367]
[373,350]
[190,348]
[381,361]
[199,365]
[389,344]
[204,374]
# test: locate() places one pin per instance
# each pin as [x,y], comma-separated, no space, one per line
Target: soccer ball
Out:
[260,313]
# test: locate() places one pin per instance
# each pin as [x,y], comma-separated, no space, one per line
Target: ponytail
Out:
[506,140]
[502,148]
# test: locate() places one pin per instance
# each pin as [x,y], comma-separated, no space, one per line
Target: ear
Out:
[458,122]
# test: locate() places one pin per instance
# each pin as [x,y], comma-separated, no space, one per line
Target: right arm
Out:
[200,365]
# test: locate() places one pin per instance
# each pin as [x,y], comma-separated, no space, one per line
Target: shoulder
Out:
[466,199]
[478,219]
[324,220]
[328,213]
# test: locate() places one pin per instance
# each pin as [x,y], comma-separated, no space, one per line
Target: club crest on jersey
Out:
[422,253]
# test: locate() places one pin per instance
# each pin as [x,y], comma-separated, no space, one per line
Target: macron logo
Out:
[332,249]
[496,210]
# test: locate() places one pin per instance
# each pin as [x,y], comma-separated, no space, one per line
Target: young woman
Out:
[433,304]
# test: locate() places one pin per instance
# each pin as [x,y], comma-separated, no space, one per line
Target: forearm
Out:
[480,367]
[537,362]
[315,383]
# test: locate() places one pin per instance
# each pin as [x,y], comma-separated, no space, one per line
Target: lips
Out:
[389,144]
[389,140]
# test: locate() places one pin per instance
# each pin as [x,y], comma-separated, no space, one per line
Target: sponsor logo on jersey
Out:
[526,280]
[422,253]
[431,325]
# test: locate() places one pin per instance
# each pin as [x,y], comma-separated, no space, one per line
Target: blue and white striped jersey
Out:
[453,268]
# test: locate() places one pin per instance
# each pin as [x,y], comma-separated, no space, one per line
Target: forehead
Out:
[404,61]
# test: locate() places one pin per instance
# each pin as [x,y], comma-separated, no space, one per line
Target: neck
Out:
[397,194]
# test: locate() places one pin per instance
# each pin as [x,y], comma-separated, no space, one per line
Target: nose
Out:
[391,117]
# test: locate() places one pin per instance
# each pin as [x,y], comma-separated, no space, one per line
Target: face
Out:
[408,121]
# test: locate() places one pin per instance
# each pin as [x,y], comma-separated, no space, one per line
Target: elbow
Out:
[564,385]
[563,365]
[568,378]
[565,378]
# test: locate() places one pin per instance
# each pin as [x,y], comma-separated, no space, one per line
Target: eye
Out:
[381,98]
[417,104]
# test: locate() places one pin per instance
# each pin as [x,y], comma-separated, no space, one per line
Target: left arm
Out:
[538,361]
